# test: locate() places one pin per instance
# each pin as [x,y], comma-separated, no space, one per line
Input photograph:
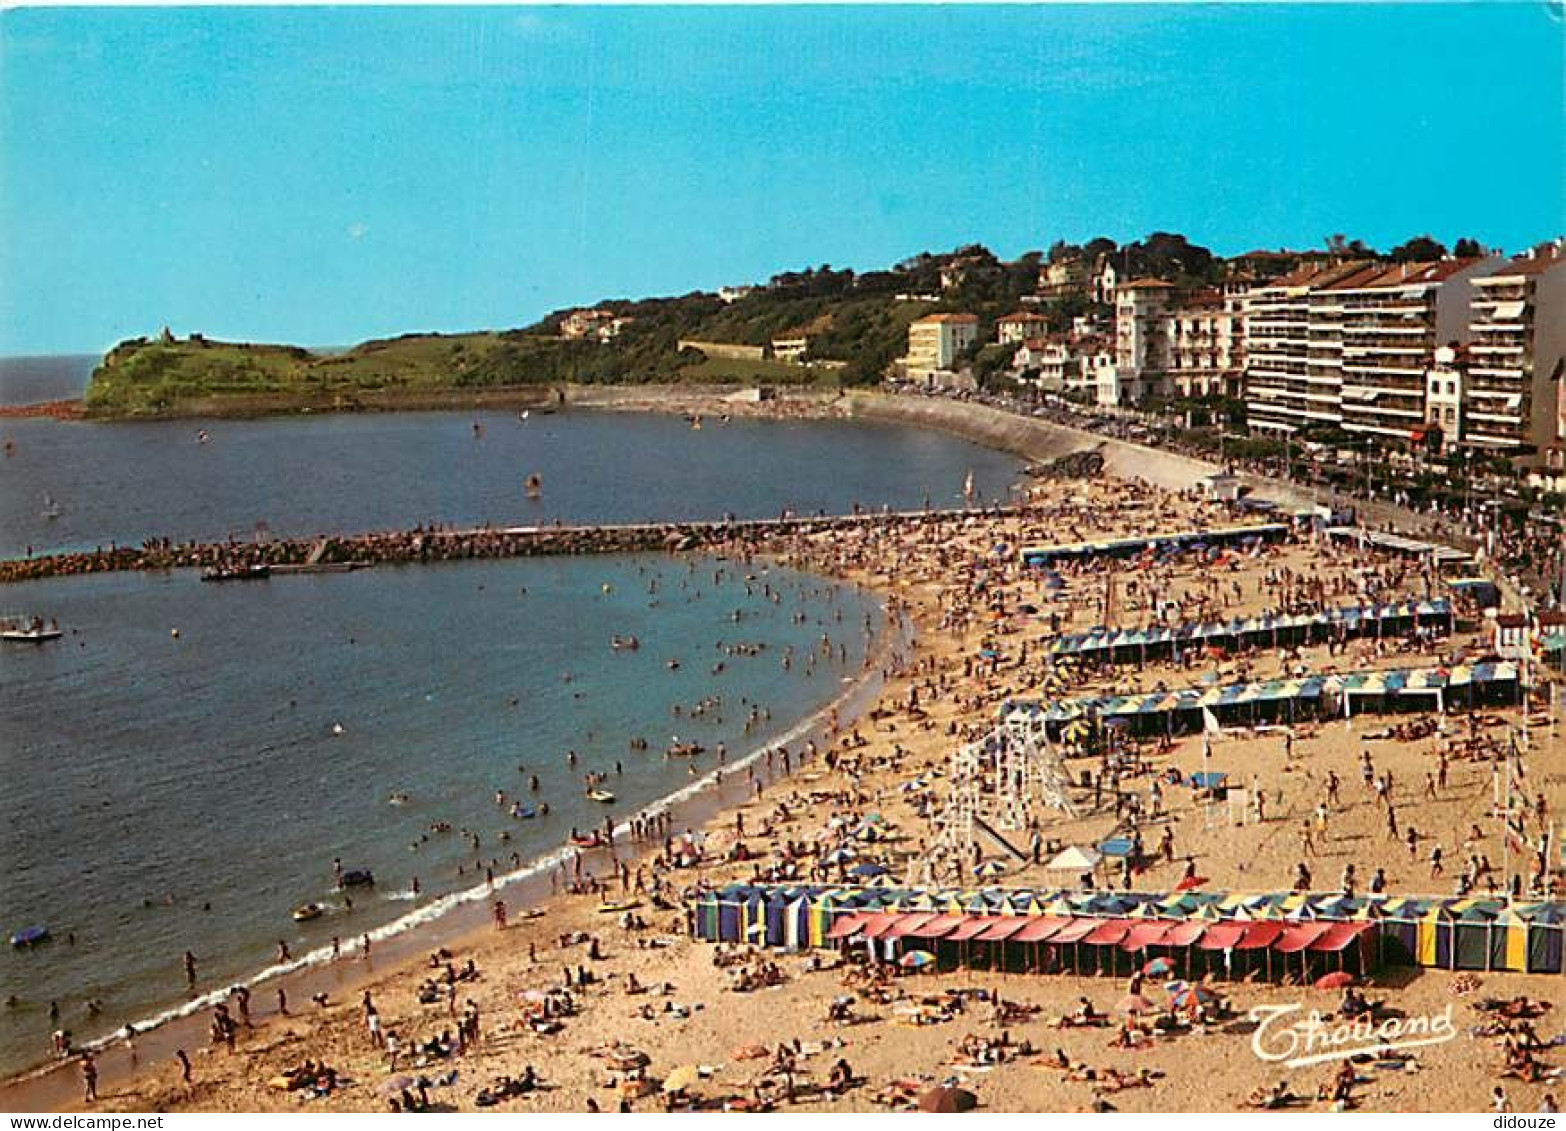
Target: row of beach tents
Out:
[1135,645]
[1445,933]
[1190,540]
[1283,699]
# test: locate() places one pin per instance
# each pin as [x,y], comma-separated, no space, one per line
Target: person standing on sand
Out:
[89,1078]
[282,1002]
[184,1065]
[500,914]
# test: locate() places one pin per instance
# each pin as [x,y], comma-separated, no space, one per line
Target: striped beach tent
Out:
[1509,941]
[1546,931]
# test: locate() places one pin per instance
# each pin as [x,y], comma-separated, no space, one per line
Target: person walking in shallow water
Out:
[89,1078]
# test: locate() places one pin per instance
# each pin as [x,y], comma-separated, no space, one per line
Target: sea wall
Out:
[1028,436]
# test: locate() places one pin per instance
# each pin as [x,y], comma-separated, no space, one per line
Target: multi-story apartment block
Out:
[935,341]
[1392,323]
[1514,392]
[1204,336]
[1140,342]
[1169,343]
[1292,376]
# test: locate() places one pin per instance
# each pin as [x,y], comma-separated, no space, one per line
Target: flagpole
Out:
[1506,833]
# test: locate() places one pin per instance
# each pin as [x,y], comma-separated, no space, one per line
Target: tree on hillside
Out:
[1169,255]
[1340,244]
[1420,249]
[1467,248]
[1100,245]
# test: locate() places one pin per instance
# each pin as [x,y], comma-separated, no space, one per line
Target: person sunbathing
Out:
[1272,1098]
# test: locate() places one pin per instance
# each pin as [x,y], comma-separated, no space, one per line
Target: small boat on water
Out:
[257,572]
[534,486]
[602,796]
[684,750]
[624,643]
[357,878]
[307,911]
[28,630]
[588,840]
[30,937]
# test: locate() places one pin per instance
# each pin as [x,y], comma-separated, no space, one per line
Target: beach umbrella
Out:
[1190,995]
[1135,1003]
[916,960]
[1157,967]
[947,1100]
[681,1078]
[867,869]
[1335,980]
[840,856]
[990,868]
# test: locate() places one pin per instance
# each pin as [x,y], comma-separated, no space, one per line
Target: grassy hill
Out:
[857,322]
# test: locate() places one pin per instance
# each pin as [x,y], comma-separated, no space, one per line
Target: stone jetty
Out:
[438,544]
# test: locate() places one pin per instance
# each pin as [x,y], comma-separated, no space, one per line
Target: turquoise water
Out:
[166,794]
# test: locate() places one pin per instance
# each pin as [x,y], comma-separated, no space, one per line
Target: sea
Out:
[185,766]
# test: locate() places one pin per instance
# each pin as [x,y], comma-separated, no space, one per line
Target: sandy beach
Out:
[654,1002]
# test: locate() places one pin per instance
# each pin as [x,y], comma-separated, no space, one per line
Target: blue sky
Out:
[325,175]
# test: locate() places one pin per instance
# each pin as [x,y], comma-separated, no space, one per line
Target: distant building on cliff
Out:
[935,342]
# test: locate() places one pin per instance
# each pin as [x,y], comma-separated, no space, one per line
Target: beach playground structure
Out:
[1274,935]
[997,785]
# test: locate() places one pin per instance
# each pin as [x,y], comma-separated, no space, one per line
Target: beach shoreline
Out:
[465,919]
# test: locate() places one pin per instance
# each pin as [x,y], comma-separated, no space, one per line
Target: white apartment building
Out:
[792,346]
[1515,390]
[1204,345]
[1444,382]
[935,341]
[1105,280]
[1020,327]
[1282,395]
[1140,354]
[1173,344]
[1392,323]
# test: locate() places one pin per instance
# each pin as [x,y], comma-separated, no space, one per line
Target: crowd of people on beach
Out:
[870,791]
